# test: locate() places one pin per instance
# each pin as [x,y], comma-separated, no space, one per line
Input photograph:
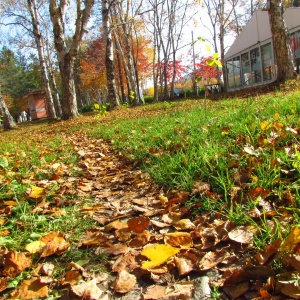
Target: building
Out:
[37,104]
[250,60]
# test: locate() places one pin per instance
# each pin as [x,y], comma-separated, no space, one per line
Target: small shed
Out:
[37,104]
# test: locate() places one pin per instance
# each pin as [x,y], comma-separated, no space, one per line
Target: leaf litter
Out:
[155,248]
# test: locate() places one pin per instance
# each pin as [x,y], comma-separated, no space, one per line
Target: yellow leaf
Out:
[35,247]
[36,192]
[158,254]
[265,125]
[292,240]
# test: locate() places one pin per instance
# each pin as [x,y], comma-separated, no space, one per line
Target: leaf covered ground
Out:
[80,220]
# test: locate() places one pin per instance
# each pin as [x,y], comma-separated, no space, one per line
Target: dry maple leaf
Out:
[15,263]
[30,289]
[124,282]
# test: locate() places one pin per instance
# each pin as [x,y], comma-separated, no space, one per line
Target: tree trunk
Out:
[109,57]
[40,47]
[66,57]
[280,36]
[8,121]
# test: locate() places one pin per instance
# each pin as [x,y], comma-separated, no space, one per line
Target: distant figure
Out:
[23,116]
[28,115]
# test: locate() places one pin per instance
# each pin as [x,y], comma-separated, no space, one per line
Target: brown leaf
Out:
[184,224]
[126,262]
[211,259]
[87,290]
[72,277]
[291,290]
[241,235]
[116,249]
[184,265]
[180,291]
[55,244]
[123,234]
[30,289]
[15,263]
[124,282]
[155,292]
[3,284]
[117,224]
[93,238]
[263,256]
[139,224]
[237,290]
[179,239]
[140,240]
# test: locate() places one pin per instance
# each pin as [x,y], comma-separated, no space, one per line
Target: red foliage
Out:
[202,69]
[180,69]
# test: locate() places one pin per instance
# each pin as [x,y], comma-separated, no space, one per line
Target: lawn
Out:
[214,183]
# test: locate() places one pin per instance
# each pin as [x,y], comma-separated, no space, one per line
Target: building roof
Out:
[258,30]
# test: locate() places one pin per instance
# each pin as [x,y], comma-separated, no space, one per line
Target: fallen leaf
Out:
[54,244]
[155,292]
[140,240]
[87,290]
[35,247]
[292,240]
[36,192]
[139,224]
[263,256]
[158,254]
[291,290]
[184,224]
[179,239]
[184,265]
[4,232]
[3,284]
[124,282]
[117,224]
[15,263]
[241,235]
[30,289]
[72,277]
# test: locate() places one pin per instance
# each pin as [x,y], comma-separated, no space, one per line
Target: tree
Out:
[109,56]
[32,7]
[67,55]
[280,36]
[8,121]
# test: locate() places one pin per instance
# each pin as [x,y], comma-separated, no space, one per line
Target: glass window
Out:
[295,44]
[246,75]
[267,62]
[255,66]
[230,74]
[237,71]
